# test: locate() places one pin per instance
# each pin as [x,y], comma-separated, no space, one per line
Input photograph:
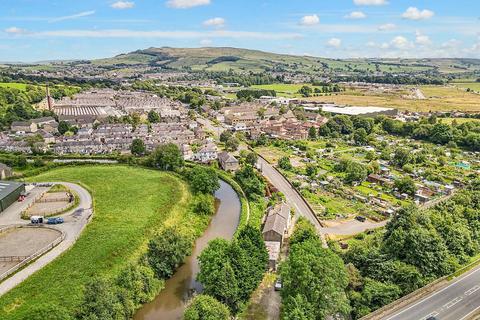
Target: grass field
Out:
[439,98]
[458,120]
[13,85]
[469,85]
[283,89]
[130,205]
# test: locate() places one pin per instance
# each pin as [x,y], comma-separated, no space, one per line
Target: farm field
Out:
[125,217]
[469,85]
[284,90]
[439,98]
[13,85]
[458,120]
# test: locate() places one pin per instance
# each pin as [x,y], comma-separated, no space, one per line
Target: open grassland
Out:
[458,120]
[130,204]
[438,98]
[475,86]
[283,89]
[13,85]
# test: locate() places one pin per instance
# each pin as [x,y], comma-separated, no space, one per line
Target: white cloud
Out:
[310,20]
[401,43]
[15,30]
[161,34]
[73,16]
[414,13]
[214,22]
[185,4]
[370,2]
[334,43]
[451,44]
[422,39]
[123,5]
[206,42]
[356,15]
[387,27]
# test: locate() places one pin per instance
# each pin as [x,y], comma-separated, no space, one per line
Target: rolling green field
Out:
[458,120]
[282,89]
[130,205]
[13,85]
[469,85]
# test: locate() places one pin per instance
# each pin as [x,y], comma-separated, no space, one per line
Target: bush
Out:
[203,180]
[204,307]
[167,251]
[204,205]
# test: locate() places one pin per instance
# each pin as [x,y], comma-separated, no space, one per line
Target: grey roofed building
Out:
[227,161]
[9,193]
[276,223]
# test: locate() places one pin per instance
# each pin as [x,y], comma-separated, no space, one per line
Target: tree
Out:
[312,133]
[304,231]
[167,251]
[45,310]
[300,277]
[311,170]
[204,205]
[138,147]
[251,158]
[406,185]
[297,308]
[216,274]
[441,133]
[360,137]
[100,302]
[306,91]
[401,157]
[204,307]
[251,183]
[153,117]
[284,163]
[232,144]
[167,157]
[63,127]
[203,180]
[225,136]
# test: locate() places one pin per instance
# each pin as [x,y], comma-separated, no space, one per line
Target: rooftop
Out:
[7,187]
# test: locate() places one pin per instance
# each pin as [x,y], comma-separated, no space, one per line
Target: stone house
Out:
[228,162]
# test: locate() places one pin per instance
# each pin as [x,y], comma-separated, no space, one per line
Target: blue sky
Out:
[33,30]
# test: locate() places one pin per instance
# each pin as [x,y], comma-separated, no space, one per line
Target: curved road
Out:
[294,199]
[75,221]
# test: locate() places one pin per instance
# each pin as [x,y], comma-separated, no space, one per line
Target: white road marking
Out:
[429,297]
[452,303]
[467,316]
[472,290]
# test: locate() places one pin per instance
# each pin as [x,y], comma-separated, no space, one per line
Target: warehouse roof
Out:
[7,187]
[352,111]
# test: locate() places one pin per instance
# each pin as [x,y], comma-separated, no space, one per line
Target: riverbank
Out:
[170,303]
[126,217]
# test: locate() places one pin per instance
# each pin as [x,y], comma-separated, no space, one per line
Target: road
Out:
[457,301]
[291,195]
[75,221]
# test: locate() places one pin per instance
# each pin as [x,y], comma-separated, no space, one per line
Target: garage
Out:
[10,191]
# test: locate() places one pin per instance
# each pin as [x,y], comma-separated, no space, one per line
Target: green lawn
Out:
[130,205]
[458,120]
[469,85]
[13,85]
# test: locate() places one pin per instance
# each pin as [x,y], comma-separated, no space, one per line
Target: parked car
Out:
[361,218]
[278,284]
[55,220]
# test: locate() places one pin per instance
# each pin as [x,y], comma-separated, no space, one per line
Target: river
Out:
[170,303]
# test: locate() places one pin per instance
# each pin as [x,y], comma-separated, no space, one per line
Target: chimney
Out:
[49,99]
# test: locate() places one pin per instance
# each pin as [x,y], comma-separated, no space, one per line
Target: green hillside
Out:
[224,59]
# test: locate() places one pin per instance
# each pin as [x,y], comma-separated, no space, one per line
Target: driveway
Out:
[75,221]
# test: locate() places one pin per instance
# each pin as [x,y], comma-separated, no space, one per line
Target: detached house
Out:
[227,161]
[207,153]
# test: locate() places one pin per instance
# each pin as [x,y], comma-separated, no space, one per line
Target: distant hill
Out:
[224,59]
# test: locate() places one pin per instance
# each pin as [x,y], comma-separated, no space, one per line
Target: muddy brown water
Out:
[170,303]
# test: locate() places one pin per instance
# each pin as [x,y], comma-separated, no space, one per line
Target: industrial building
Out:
[359,111]
[10,191]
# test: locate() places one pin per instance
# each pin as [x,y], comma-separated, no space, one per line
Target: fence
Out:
[34,256]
